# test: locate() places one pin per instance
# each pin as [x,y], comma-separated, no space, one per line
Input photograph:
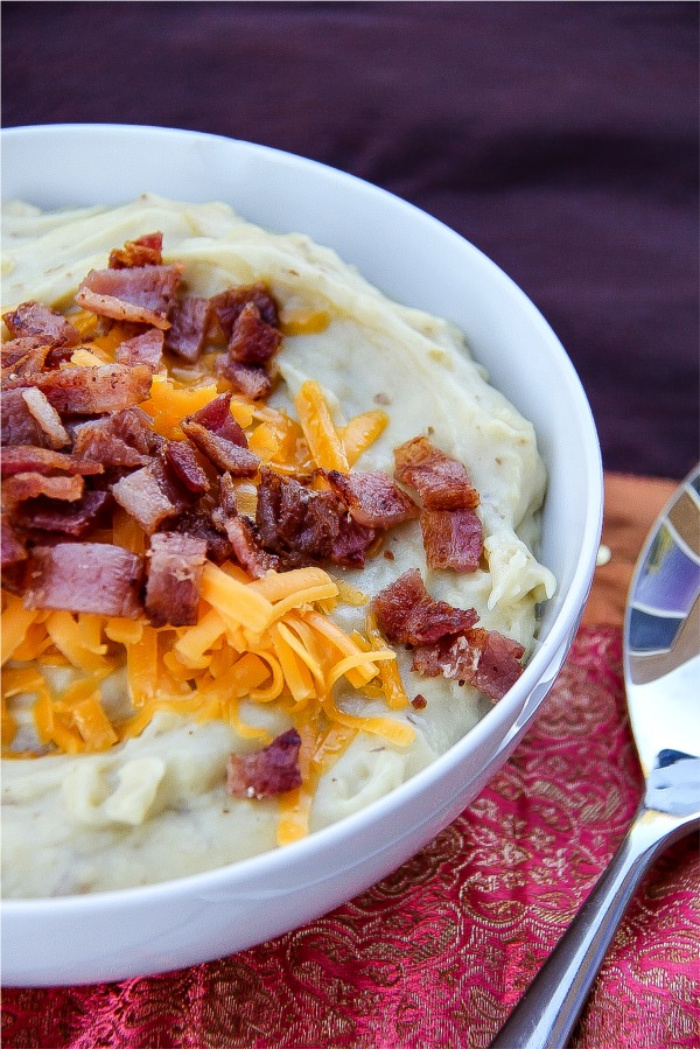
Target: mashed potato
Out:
[155,806]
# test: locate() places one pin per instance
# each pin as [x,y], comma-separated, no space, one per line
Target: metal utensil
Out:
[662,678]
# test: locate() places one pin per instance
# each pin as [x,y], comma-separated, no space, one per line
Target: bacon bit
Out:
[229,304]
[389,555]
[189,324]
[441,482]
[267,772]
[182,458]
[407,613]
[11,547]
[35,319]
[141,295]
[144,251]
[90,391]
[452,539]
[482,658]
[47,417]
[216,416]
[150,496]
[198,523]
[18,425]
[23,486]
[176,563]
[352,544]
[252,342]
[251,381]
[247,550]
[23,356]
[372,498]
[224,454]
[84,577]
[24,458]
[419,702]
[73,518]
[142,349]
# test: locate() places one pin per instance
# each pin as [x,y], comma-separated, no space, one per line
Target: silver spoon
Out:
[662,679]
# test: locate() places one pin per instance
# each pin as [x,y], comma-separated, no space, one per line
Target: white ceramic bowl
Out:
[420,262]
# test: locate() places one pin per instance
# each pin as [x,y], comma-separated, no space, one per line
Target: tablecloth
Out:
[437,954]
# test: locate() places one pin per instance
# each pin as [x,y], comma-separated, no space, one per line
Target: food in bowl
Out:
[267,543]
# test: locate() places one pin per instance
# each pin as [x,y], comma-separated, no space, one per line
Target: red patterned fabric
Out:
[437,954]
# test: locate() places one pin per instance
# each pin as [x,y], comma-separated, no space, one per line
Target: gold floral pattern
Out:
[439,952]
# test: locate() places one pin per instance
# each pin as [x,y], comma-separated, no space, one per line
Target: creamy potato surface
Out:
[155,806]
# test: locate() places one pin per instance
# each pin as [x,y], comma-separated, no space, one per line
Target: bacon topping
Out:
[84,577]
[35,319]
[441,482]
[24,356]
[219,437]
[252,340]
[18,425]
[11,547]
[176,563]
[74,519]
[482,658]
[24,458]
[182,459]
[452,539]
[90,391]
[372,498]
[251,381]
[272,770]
[141,294]
[21,486]
[47,417]
[142,349]
[247,550]
[144,251]
[150,495]
[407,613]
[229,305]
[189,323]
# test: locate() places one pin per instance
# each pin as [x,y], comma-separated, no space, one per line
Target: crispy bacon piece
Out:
[249,379]
[181,457]
[23,458]
[272,770]
[84,577]
[144,251]
[11,547]
[407,613]
[372,498]
[224,454]
[18,425]
[229,304]
[33,318]
[141,294]
[91,391]
[247,549]
[197,522]
[150,495]
[175,568]
[441,482]
[24,356]
[46,415]
[122,440]
[352,543]
[73,519]
[216,417]
[452,539]
[482,658]
[189,325]
[218,436]
[21,486]
[146,348]
[252,341]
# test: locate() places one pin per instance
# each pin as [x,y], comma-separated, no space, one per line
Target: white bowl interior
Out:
[420,262]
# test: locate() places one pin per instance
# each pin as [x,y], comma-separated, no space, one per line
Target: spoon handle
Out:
[549,1009]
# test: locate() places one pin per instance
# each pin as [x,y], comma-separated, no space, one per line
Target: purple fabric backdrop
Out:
[562,139]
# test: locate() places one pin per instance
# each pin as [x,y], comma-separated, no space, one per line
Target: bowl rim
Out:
[235,875]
